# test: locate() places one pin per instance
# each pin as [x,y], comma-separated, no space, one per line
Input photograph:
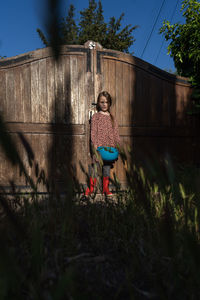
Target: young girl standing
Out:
[104,132]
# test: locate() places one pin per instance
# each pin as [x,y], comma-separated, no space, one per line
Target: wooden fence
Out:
[46,105]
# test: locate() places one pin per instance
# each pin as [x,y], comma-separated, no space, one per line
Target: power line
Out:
[153,28]
[171,18]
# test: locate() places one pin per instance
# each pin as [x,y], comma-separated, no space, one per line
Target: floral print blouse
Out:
[103,132]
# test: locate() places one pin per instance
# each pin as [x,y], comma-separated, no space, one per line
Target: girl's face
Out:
[103,104]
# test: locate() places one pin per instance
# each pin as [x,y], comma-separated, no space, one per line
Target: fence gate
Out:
[47,104]
[45,107]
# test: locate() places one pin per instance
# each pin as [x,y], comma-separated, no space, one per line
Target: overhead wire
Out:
[154,25]
[171,18]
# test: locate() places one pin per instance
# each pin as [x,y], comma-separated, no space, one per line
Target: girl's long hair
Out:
[109,99]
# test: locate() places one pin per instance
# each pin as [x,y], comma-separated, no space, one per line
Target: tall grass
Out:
[143,244]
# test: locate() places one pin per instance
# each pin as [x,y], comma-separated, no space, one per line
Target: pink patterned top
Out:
[102,131]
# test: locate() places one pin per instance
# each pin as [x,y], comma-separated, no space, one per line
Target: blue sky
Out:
[19,20]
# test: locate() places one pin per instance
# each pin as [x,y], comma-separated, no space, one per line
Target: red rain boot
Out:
[106,186]
[92,185]
[90,189]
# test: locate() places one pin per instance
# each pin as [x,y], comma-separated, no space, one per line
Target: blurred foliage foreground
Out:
[142,244]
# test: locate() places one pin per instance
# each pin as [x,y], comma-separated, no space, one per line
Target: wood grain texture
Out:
[42,91]
[26,92]
[35,99]
[3,92]
[50,90]
[10,108]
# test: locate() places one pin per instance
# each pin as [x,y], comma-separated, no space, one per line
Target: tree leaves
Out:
[185,43]
[185,39]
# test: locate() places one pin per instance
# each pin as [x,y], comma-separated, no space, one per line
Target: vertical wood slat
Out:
[139,100]
[98,79]
[35,100]
[125,103]
[132,83]
[155,101]
[172,106]
[105,66]
[3,167]
[13,169]
[59,90]
[186,107]
[63,101]
[26,92]
[89,98]
[182,107]
[119,92]
[2,112]
[24,156]
[42,91]
[74,89]
[81,91]
[67,92]
[10,96]
[112,85]
[19,103]
[2,92]
[50,90]
[165,105]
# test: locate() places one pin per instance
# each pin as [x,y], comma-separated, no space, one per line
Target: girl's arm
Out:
[94,131]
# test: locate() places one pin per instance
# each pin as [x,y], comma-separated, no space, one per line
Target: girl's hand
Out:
[97,156]
[94,149]
[118,147]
